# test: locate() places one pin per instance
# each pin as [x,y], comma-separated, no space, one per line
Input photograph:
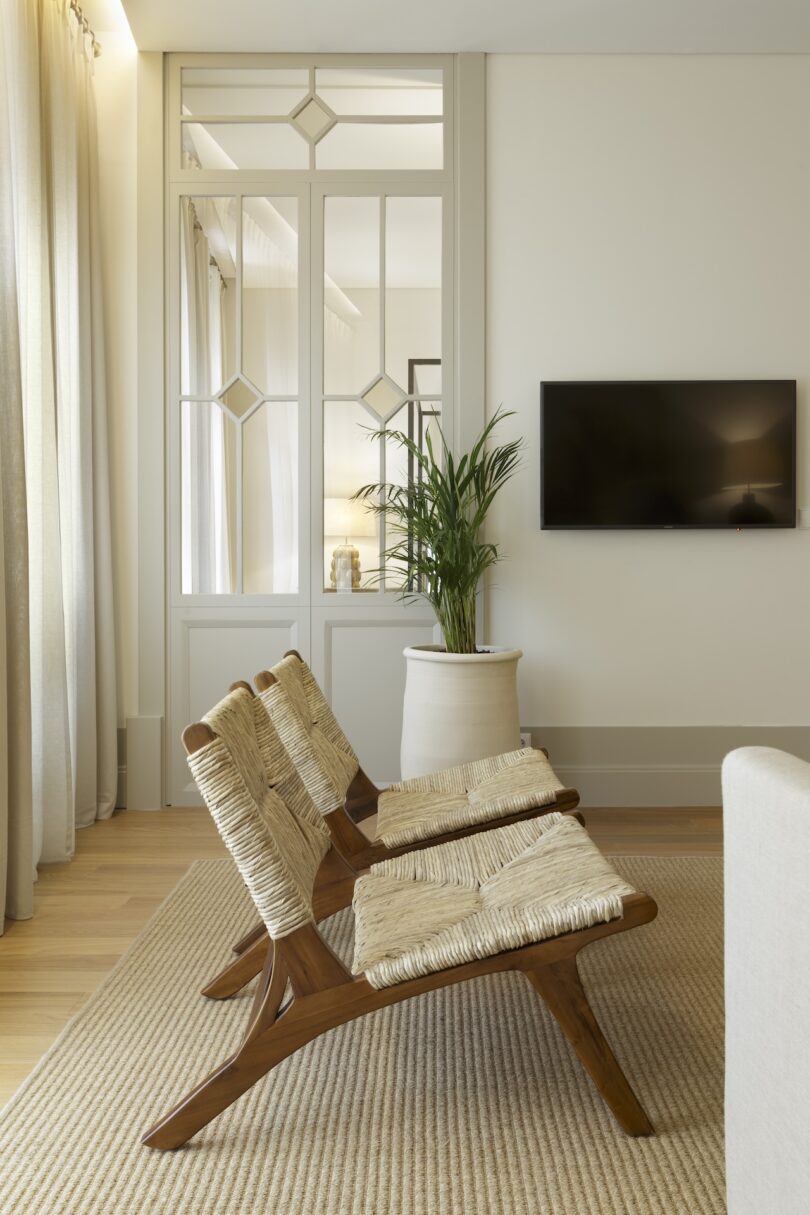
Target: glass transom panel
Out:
[313,119]
[362,117]
[383,396]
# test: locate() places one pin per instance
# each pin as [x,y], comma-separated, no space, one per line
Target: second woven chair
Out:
[425,810]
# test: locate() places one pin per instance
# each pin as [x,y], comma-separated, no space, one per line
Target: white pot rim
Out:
[437,653]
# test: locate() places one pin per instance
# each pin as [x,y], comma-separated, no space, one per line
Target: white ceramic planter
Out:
[458,707]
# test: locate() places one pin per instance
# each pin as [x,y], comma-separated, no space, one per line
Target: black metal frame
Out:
[416,434]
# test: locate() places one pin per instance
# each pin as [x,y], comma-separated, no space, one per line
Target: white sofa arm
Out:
[766,815]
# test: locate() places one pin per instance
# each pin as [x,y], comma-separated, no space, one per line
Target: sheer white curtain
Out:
[51,263]
[207,463]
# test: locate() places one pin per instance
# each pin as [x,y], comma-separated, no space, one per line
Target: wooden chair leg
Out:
[250,938]
[333,891]
[239,972]
[561,987]
[219,1090]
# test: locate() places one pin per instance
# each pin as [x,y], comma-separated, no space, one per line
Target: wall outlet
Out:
[525,738]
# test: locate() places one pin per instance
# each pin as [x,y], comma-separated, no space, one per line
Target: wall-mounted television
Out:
[668,454]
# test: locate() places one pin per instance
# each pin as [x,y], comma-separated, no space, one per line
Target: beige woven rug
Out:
[462,1102]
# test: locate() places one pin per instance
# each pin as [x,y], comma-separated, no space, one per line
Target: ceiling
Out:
[551,26]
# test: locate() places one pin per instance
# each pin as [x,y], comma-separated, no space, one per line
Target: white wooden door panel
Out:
[212,651]
[357,657]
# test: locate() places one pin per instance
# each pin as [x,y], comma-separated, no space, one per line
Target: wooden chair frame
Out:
[325,994]
[333,888]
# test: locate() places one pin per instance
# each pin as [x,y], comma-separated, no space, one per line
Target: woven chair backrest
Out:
[320,751]
[242,721]
[277,852]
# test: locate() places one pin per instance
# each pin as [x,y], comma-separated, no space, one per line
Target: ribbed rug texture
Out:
[465,1101]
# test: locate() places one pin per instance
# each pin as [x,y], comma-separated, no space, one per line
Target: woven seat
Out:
[527,897]
[478,896]
[468,794]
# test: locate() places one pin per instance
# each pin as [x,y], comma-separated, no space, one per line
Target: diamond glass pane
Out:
[313,119]
[270,294]
[207,310]
[382,397]
[239,397]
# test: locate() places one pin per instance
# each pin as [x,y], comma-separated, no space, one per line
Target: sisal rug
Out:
[461,1102]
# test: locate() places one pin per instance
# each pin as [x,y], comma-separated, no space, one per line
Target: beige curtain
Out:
[16,818]
[52,263]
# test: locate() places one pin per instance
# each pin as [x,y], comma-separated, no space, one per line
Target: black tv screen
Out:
[709,453]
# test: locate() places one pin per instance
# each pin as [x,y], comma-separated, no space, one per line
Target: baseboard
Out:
[644,785]
[655,765]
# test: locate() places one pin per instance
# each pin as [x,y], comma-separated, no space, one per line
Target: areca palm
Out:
[436,522]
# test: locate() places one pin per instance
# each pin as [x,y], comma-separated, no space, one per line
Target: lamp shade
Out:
[351,520]
[757,463]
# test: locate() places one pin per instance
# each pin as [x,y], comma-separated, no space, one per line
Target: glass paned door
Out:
[380,266]
[310,215]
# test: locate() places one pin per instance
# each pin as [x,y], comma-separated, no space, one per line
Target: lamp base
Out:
[345,569]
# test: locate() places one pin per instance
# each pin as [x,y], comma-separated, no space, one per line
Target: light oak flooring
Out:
[89,911]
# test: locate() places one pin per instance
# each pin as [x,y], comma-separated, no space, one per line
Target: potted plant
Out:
[460,698]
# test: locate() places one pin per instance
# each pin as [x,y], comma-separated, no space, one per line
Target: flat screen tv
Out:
[642,454]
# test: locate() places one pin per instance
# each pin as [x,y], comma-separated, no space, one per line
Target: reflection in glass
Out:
[207,294]
[244,145]
[378,145]
[243,91]
[413,297]
[350,460]
[418,420]
[208,499]
[351,321]
[270,499]
[270,294]
[381,90]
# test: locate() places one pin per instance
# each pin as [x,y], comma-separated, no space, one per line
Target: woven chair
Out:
[527,897]
[412,814]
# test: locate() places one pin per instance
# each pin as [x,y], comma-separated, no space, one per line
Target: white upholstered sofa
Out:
[766,802]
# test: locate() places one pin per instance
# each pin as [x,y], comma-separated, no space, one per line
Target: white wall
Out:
[116,102]
[649,217]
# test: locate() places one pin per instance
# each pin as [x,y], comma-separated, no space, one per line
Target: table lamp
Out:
[350,520]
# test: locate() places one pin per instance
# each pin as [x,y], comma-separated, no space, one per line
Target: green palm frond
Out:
[435,523]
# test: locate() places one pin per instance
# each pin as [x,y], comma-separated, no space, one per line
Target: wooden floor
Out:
[89,911]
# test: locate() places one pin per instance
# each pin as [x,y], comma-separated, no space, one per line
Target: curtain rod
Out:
[75,8]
